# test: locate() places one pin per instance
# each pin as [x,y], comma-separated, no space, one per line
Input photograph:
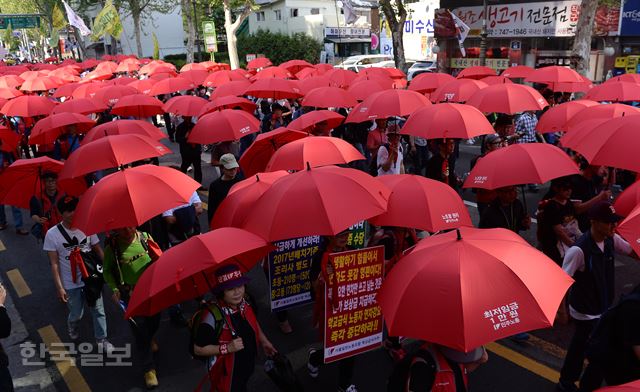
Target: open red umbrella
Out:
[428,82]
[10,93]
[274,89]
[600,112]
[329,97]
[383,79]
[323,67]
[387,103]
[496,79]
[137,105]
[255,158]
[260,62]
[366,88]
[554,74]
[10,81]
[615,92]
[111,152]
[528,163]
[459,90]
[197,77]
[517,72]
[171,85]
[48,129]
[86,90]
[447,120]
[110,95]
[41,83]
[98,75]
[192,67]
[9,139]
[127,67]
[272,72]
[320,120]
[476,72]
[295,66]
[234,89]
[306,203]
[121,81]
[28,106]
[313,82]
[27,75]
[81,106]
[185,105]
[225,125]
[341,77]
[228,102]
[507,98]
[628,200]
[477,284]
[219,78]
[131,197]
[143,86]
[555,119]
[629,229]
[628,77]
[123,127]
[633,386]
[307,73]
[169,280]
[421,203]
[234,208]
[107,66]
[313,152]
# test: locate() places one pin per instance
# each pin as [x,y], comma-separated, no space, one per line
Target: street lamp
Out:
[483,35]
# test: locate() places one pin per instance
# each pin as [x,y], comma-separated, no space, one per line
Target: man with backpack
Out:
[127,255]
[590,261]
[183,221]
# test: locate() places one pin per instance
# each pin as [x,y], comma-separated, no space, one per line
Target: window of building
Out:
[278,14]
[294,12]
[260,16]
[315,11]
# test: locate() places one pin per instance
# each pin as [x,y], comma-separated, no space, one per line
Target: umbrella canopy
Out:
[329,97]
[196,76]
[169,280]
[361,90]
[185,105]
[383,79]
[274,89]
[628,77]
[143,86]
[234,208]
[225,125]
[219,78]
[312,194]
[121,81]
[459,90]
[137,105]
[123,127]
[234,89]
[528,163]
[388,103]
[48,129]
[447,120]
[9,139]
[615,92]
[341,77]
[86,90]
[313,152]
[272,72]
[517,72]
[600,112]
[10,81]
[295,66]
[428,82]
[257,156]
[111,152]
[313,82]
[476,72]
[131,197]
[81,106]
[41,83]
[10,93]
[316,120]
[629,228]
[554,74]
[260,62]
[110,95]
[193,66]
[127,67]
[171,85]
[66,90]
[475,280]
[28,106]
[508,99]
[628,200]
[495,79]
[307,73]
[555,119]
[633,386]
[422,203]
[228,102]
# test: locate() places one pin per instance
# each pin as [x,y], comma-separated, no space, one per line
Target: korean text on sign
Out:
[353,320]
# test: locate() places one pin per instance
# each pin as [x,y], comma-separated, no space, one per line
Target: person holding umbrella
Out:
[232,353]
[43,206]
[389,157]
[189,152]
[442,165]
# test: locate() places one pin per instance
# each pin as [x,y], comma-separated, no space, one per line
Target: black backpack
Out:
[280,371]
[397,381]
[196,319]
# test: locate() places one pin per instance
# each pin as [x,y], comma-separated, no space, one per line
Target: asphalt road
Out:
[39,317]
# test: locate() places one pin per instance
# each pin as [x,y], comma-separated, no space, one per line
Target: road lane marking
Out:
[18,282]
[524,362]
[69,372]
[547,347]
[2,247]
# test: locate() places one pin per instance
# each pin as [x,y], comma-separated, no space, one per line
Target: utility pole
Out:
[195,22]
[483,35]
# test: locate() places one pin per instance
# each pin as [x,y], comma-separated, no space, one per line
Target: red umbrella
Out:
[110,95]
[388,103]
[615,92]
[166,74]
[10,81]
[633,386]
[329,97]
[225,125]
[131,197]
[89,63]
[459,90]
[320,120]
[137,105]
[10,93]
[171,85]
[323,67]
[477,284]
[447,120]
[313,152]
[429,82]
[234,208]
[517,72]
[33,74]
[272,72]
[111,152]
[234,89]
[143,86]
[313,82]
[197,77]
[121,81]
[628,200]
[374,71]
[629,228]
[274,89]
[555,119]
[572,87]
[260,62]
[127,67]
[219,78]
[312,194]
[628,77]
[41,83]
[384,80]
[476,72]
[98,75]
[86,90]
[364,89]
[169,280]
[48,129]
[193,67]
[123,127]
[255,158]
[507,98]
[307,73]
[554,74]
[528,163]
[597,112]
[295,66]
[341,77]
[9,139]
[228,102]
[28,106]
[107,66]
[185,105]
[81,106]
[421,203]
[495,79]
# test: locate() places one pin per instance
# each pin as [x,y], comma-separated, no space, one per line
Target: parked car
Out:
[420,67]
[358,63]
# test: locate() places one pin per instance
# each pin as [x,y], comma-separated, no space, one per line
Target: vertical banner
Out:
[353,319]
[290,271]
[357,235]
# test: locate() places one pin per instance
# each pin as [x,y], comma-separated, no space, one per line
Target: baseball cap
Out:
[67,204]
[228,161]
[229,277]
[603,211]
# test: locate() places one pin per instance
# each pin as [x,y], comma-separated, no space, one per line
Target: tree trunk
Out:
[231,27]
[187,11]
[582,41]
[396,18]
[398,48]
[136,28]
[82,51]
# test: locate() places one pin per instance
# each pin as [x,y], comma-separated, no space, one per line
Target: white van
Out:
[358,63]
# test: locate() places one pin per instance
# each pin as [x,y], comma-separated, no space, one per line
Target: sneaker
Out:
[150,379]
[73,332]
[314,371]
[350,388]
[105,346]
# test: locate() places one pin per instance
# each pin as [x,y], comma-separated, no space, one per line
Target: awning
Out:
[348,40]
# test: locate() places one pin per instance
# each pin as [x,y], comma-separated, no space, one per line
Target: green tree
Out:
[188,22]
[279,47]
[395,14]
[141,12]
[243,9]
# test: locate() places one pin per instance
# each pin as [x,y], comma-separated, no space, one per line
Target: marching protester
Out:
[189,152]
[43,205]
[219,188]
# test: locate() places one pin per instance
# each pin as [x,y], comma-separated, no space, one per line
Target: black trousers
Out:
[6,383]
[143,329]
[572,367]
[170,129]
[345,367]
[191,156]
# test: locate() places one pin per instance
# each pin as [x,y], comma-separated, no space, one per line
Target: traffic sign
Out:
[209,35]
[20,22]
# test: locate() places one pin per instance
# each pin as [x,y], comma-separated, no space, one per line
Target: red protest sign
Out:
[353,320]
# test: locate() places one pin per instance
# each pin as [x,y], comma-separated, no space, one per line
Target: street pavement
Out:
[38,317]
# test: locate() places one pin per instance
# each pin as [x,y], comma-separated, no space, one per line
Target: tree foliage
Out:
[279,47]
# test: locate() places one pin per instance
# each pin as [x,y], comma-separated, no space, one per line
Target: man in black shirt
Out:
[219,189]
[506,211]
[442,166]
[189,152]
[588,186]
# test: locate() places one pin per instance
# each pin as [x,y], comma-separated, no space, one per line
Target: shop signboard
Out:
[630,18]
[466,62]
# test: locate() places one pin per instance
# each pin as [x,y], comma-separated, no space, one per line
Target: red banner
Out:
[353,320]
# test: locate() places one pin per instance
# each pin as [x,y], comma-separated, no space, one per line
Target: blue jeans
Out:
[76,310]
[17,216]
